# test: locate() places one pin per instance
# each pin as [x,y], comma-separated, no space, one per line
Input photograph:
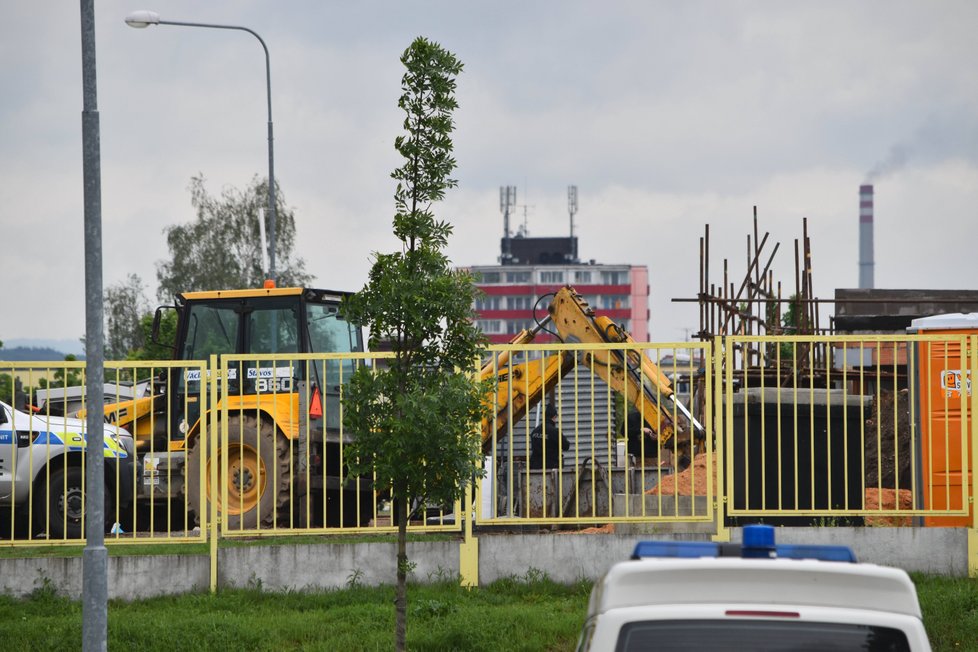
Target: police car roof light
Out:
[758,543]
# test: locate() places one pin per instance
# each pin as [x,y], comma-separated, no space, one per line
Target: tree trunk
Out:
[400,595]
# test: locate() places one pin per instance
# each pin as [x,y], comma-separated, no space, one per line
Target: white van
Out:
[752,596]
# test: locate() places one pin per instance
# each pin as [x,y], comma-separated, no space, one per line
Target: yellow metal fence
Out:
[871,430]
[43,443]
[608,456]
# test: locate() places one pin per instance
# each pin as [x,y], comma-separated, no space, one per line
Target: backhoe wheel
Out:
[258,475]
[58,503]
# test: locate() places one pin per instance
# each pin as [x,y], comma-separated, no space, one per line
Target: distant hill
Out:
[32,354]
[65,346]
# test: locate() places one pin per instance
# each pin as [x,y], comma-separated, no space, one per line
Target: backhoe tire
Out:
[258,475]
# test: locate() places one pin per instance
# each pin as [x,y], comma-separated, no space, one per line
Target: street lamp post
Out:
[142,19]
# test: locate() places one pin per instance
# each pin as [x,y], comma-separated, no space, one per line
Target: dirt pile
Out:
[607,528]
[888,500]
[690,482]
[888,441]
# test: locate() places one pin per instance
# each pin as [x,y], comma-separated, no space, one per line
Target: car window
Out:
[759,636]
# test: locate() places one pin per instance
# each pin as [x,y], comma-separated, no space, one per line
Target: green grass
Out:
[524,613]
[530,613]
[950,607]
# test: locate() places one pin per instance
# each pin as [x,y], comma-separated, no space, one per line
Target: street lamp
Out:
[142,19]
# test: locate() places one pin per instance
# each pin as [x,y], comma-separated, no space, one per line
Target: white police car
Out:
[41,469]
[752,596]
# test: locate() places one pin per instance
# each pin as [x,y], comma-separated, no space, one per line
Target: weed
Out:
[444,576]
[433,608]
[355,579]
[44,588]
[534,575]
[254,583]
[407,566]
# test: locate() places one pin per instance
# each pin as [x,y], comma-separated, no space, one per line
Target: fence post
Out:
[717,401]
[468,551]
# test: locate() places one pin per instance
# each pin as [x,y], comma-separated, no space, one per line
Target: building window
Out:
[582,277]
[516,325]
[490,326]
[552,277]
[489,277]
[517,277]
[518,303]
[614,278]
[613,301]
[487,303]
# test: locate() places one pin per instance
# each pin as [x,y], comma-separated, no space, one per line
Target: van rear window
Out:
[759,636]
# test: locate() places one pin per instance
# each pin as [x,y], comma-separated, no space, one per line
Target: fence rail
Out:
[870,430]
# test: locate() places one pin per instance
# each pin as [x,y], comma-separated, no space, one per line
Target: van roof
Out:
[731,580]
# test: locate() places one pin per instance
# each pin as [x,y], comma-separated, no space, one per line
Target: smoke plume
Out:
[895,159]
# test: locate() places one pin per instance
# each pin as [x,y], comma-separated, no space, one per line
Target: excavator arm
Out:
[627,371]
[522,385]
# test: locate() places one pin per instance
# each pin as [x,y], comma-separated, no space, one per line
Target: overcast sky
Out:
[668,116]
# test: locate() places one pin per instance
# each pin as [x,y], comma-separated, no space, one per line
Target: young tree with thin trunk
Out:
[416,420]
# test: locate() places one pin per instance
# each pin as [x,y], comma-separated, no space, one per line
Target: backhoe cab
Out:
[283,419]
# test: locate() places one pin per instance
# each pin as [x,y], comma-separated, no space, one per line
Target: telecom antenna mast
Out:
[507,200]
[572,209]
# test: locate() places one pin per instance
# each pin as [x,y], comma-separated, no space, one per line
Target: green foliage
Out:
[7,388]
[790,317]
[415,419]
[125,306]
[221,249]
[355,579]
[167,336]
[63,377]
[789,321]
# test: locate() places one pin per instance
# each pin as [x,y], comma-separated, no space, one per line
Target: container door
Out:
[945,389]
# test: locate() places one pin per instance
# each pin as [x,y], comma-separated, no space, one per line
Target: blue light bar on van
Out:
[758,543]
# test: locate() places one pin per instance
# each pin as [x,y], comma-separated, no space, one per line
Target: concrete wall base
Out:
[563,557]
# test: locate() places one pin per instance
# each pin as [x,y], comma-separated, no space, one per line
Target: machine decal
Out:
[73,441]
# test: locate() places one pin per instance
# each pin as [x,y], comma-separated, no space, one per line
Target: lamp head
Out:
[142,18]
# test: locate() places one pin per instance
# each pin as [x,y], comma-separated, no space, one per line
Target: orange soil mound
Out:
[607,528]
[691,482]
[888,500]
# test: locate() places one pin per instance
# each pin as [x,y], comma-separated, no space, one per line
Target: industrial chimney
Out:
[866,237]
